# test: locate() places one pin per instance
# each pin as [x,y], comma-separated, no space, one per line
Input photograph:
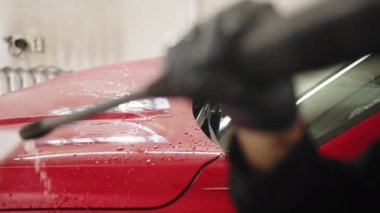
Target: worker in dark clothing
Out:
[245,58]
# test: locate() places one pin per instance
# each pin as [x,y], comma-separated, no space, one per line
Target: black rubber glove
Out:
[202,66]
[267,107]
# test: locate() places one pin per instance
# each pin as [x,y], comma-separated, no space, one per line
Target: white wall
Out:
[86,33]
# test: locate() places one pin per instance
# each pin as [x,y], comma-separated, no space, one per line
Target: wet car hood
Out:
[142,154]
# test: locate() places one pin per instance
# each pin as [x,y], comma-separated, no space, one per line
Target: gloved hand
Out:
[203,66]
[266,107]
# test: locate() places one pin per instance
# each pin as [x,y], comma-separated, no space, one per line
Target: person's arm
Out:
[244,58]
[281,171]
[264,149]
[330,32]
[250,45]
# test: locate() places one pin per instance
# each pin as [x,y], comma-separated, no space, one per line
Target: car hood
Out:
[143,154]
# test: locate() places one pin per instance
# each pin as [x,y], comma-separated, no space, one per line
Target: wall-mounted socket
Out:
[19,44]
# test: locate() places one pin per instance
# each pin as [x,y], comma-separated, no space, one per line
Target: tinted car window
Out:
[342,99]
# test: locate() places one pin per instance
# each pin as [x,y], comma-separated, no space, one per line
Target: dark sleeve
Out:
[333,31]
[302,181]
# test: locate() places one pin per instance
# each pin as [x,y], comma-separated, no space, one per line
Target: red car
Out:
[157,154]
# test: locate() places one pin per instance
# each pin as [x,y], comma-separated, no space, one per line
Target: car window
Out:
[342,99]
[330,100]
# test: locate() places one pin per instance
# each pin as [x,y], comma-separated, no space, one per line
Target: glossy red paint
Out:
[132,158]
[353,142]
[209,193]
[139,156]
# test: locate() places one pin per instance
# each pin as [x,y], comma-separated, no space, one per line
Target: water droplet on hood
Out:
[120,148]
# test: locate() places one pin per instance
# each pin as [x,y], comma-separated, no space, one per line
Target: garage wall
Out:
[85,33]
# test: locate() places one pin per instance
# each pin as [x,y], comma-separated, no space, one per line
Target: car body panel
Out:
[139,155]
[142,156]
[353,142]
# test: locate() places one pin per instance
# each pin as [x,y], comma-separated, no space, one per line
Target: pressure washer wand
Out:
[42,127]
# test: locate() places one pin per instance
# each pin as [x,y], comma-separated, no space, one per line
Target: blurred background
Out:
[76,34]
[40,39]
